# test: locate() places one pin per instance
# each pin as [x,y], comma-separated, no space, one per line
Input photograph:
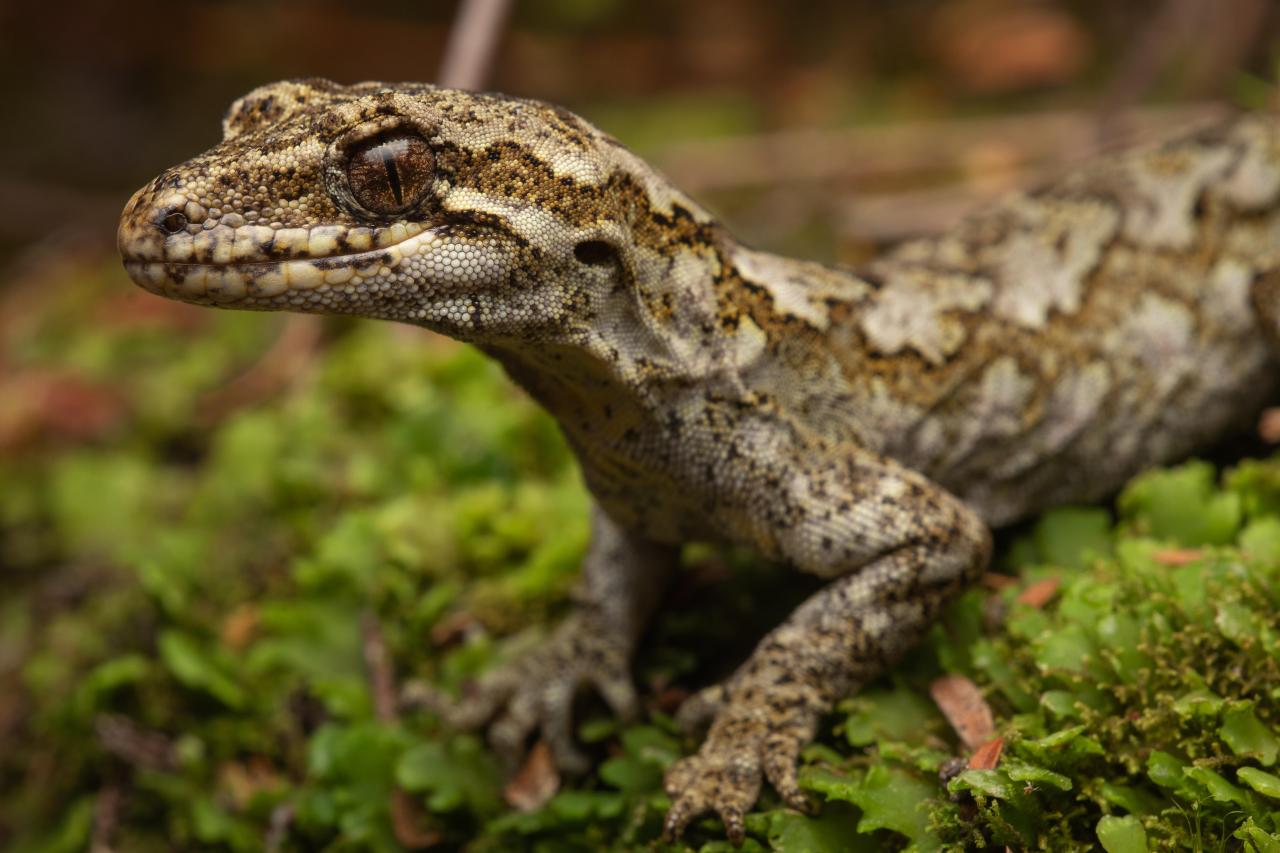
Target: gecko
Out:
[869,426]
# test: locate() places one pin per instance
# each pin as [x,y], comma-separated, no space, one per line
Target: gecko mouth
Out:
[229,260]
[398,280]
[270,281]
[394,270]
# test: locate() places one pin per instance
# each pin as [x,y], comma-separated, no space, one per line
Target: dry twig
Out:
[283,363]
[278,828]
[468,57]
[382,680]
[909,150]
[138,747]
[106,817]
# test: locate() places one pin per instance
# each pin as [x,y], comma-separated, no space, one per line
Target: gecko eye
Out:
[390,174]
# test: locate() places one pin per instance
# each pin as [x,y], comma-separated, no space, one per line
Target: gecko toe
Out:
[510,731]
[557,729]
[780,769]
[754,738]
[681,813]
[618,693]
[720,779]
[470,711]
[535,693]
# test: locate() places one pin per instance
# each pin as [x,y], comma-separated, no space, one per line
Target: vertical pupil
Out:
[389,175]
[393,175]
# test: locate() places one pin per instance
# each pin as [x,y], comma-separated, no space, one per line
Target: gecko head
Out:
[484,217]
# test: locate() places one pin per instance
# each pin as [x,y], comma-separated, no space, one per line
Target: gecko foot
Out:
[757,734]
[536,692]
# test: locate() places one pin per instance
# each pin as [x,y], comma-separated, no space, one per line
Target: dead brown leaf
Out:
[409,823]
[535,783]
[961,702]
[243,780]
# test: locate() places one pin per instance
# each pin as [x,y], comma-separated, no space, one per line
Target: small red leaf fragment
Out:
[962,704]
[239,627]
[1038,594]
[535,783]
[992,580]
[1177,556]
[1269,425]
[987,756]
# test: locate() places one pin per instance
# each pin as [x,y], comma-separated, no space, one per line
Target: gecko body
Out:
[867,426]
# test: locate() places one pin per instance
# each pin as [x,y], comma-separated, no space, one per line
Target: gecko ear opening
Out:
[595,253]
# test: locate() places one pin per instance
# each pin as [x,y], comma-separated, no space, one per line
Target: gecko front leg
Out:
[901,547]
[623,577]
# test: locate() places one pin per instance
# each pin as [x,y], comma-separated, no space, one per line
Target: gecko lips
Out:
[172,246]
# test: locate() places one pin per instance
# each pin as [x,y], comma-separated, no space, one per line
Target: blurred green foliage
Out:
[192,590]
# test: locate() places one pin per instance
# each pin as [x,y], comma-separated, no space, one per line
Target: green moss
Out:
[210,581]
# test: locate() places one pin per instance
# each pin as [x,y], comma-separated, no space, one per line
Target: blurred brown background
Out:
[815,127]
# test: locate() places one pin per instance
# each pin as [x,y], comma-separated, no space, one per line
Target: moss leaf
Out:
[1122,834]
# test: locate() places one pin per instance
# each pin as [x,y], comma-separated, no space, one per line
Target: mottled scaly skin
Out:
[865,426]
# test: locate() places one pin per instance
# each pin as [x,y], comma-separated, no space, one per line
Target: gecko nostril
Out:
[174,222]
[596,253]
